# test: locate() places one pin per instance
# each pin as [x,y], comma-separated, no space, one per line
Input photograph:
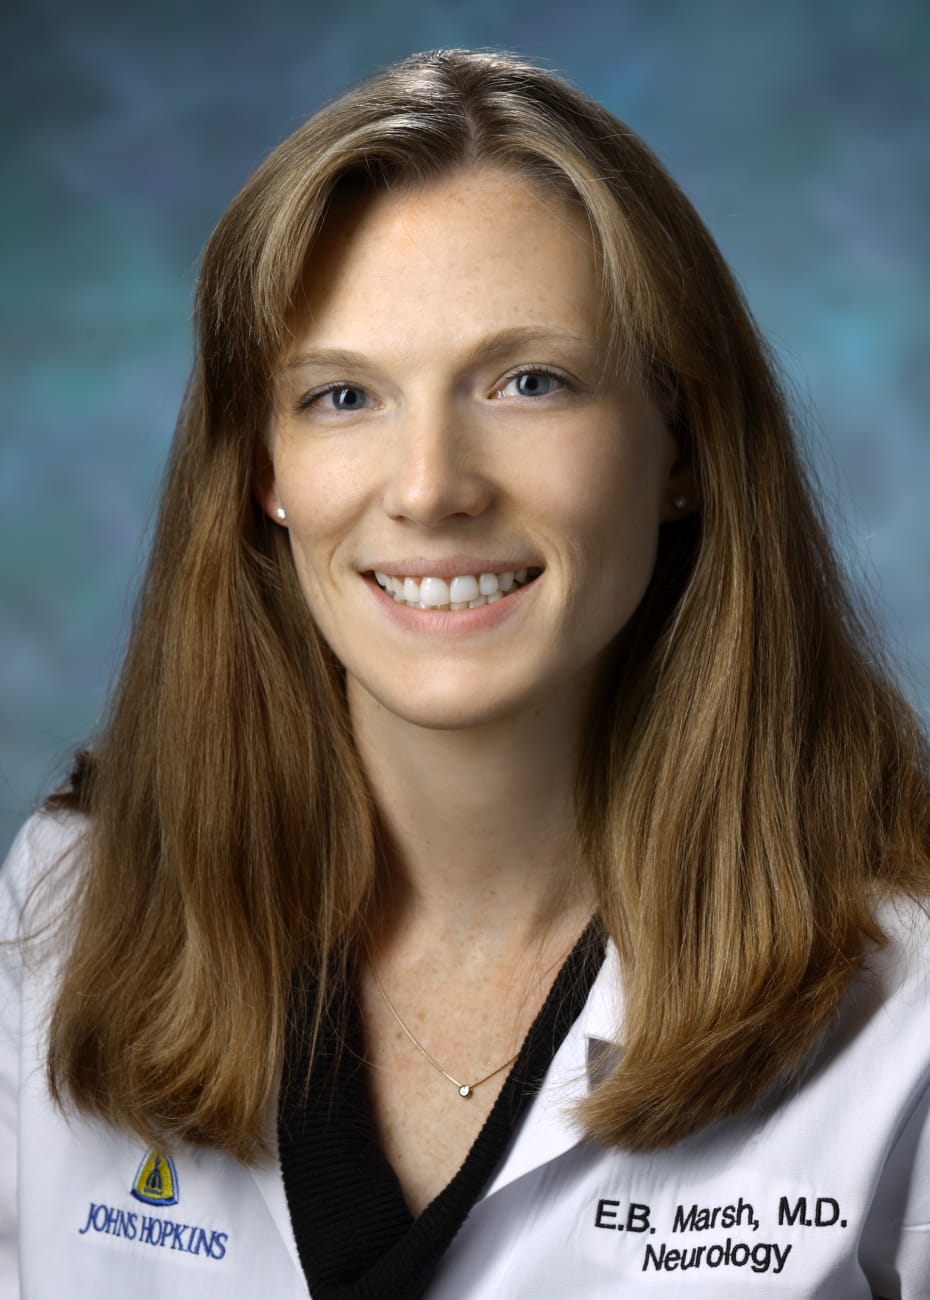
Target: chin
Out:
[445,706]
[455,714]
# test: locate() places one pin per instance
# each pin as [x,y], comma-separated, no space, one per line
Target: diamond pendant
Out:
[465,1090]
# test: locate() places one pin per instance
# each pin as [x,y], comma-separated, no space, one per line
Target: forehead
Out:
[480,250]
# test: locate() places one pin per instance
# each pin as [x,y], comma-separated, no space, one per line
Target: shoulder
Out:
[900,969]
[40,861]
[878,1044]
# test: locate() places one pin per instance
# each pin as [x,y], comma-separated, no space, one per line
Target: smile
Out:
[463,591]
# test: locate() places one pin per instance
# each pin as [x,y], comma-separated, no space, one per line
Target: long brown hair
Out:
[751,781]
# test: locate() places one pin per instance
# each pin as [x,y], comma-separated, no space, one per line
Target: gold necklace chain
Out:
[465,1090]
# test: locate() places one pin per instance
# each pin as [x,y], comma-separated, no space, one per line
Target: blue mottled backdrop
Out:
[801,130]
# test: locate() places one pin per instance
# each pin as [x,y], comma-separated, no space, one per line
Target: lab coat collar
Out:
[550,1128]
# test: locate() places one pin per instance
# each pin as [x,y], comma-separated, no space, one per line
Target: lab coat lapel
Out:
[549,1128]
[267,1177]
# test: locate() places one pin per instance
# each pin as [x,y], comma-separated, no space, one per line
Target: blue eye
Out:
[537,385]
[345,397]
[537,382]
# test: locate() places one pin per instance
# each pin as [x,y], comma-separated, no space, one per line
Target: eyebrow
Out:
[505,340]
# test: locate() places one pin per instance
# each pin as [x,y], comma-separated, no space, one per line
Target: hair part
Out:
[751,780]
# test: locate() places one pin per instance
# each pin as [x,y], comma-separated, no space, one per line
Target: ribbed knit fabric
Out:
[356,1237]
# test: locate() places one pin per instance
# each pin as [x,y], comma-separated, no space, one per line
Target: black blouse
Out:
[356,1237]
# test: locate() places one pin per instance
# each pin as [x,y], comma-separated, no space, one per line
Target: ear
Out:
[678,488]
[264,489]
[682,496]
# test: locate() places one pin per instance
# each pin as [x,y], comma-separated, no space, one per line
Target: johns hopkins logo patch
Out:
[155,1185]
[156,1182]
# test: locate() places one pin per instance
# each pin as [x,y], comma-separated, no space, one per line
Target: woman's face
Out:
[473,506]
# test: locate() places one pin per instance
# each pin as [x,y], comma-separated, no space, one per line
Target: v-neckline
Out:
[356,1236]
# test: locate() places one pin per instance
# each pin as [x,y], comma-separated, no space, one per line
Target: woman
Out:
[500,873]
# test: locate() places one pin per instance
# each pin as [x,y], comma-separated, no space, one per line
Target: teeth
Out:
[463,591]
[433,592]
[466,588]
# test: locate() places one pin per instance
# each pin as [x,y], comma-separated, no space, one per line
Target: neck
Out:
[479,825]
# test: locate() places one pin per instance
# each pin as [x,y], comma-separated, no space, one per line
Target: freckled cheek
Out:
[324,502]
[306,571]
[314,538]
[611,528]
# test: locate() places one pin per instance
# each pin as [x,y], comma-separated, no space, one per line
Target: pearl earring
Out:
[281,512]
[680,503]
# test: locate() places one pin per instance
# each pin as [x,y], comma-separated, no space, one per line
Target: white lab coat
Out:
[825,1195]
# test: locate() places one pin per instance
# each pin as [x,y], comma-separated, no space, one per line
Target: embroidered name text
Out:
[761,1257]
[154,1230]
[702,1217]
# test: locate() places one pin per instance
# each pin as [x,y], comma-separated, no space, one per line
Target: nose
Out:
[436,471]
